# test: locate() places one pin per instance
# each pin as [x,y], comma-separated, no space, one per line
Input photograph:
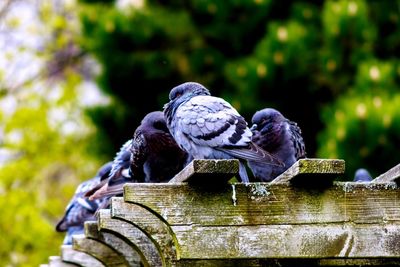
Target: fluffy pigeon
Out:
[362,175]
[152,156]
[156,157]
[80,209]
[208,127]
[279,136]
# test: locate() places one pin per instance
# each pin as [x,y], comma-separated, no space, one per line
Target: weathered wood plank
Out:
[202,171]
[311,172]
[55,261]
[151,224]
[264,203]
[297,262]
[126,253]
[105,254]
[138,241]
[289,241]
[391,175]
[68,254]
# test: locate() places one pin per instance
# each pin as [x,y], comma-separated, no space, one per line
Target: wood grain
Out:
[137,239]
[105,254]
[68,254]
[126,252]
[312,172]
[203,171]
[391,175]
[151,224]
[264,203]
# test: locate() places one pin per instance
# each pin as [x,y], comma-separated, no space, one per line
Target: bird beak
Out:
[254,127]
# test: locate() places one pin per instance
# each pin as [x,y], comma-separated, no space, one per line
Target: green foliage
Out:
[363,122]
[43,136]
[39,182]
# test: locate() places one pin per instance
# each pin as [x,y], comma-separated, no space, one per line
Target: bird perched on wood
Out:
[80,209]
[279,136]
[362,175]
[208,127]
[152,156]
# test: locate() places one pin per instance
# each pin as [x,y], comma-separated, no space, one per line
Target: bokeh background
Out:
[77,77]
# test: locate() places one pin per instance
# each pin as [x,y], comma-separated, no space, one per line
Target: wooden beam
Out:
[391,175]
[68,254]
[55,261]
[265,203]
[151,224]
[288,262]
[201,171]
[312,172]
[138,240]
[100,251]
[345,240]
[127,254]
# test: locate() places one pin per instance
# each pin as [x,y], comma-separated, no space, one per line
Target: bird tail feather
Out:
[253,153]
[107,191]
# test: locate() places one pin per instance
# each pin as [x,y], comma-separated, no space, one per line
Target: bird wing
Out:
[138,155]
[213,122]
[297,140]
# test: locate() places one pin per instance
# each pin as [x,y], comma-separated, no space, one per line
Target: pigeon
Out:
[362,175]
[118,176]
[80,209]
[151,156]
[208,127]
[156,157]
[279,136]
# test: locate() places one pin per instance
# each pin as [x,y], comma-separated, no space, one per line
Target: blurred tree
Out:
[302,58]
[43,134]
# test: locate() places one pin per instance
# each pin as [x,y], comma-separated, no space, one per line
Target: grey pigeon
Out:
[362,175]
[279,136]
[80,209]
[208,127]
[152,156]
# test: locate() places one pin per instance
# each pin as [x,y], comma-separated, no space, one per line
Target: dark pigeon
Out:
[152,156]
[279,136]
[208,127]
[80,209]
[362,175]
[119,175]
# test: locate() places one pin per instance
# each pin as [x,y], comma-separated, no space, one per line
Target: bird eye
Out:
[175,96]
